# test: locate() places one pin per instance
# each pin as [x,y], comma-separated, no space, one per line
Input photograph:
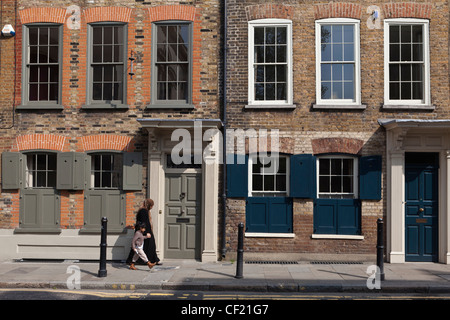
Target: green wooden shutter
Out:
[39,210]
[70,171]
[12,170]
[132,171]
[303,176]
[237,177]
[104,203]
[370,178]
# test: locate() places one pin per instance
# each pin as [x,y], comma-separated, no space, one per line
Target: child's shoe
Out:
[150,265]
[132,267]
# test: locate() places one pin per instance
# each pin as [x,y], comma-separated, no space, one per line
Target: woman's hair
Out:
[148,203]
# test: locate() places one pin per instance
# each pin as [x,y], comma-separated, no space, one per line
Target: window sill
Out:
[408,107]
[39,107]
[270,106]
[337,237]
[37,230]
[269,235]
[339,106]
[114,106]
[170,106]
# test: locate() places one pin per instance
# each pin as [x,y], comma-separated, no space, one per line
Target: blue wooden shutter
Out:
[348,216]
[325,216]
[257,214]
[370,178]
[303,176]
[337,216]
[237,177]
[280,215]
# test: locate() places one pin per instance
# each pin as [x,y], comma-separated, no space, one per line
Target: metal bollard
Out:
[102,271]
[240,252]
[380,247]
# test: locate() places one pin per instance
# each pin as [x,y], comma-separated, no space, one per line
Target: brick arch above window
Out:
[98,14]
[266,11]
[40,141]
[105,142]
[407,10]
[337,10]
[172,12]
[337,145]
[43,14]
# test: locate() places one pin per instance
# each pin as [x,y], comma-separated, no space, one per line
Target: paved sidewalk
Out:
[220,276]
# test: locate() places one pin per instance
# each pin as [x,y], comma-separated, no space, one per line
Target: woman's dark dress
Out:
[149,244]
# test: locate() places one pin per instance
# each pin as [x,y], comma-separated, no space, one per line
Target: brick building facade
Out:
[345,165]
[355,93]
[77,113]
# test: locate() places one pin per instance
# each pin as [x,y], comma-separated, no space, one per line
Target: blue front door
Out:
[421,216]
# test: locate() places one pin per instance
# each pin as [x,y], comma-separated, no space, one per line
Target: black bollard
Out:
[240,252]
[102,271]
[380,247]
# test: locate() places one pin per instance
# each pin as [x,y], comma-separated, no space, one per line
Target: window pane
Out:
[336,72]
[259,74]
[324,184]
[259,54]
[118,35]
[405,90]
[162,91]
[33,36]
[348,90]
[394,52]
[349,52]
[270,91]
[259,35]
[51,180]
[417,90]
[172,52]
[97,35]
[336,33]
[349,72]
[417,36]
[347,166]
[394,72]
[405,52]
[337,90]
[405,34]
[118,53]
[161,34]
[417,52]
[347,184]
[394,34]
[259,91]
[281,91]
[53,95]
[118,91]
[183,34]
[33,94]
[33,54]
[43,36]
[336,167]
[336,182]
[270,73]
[281,183]
[394,91]
[41,162]
[325,72]
[34,74]
[43,54]
[270,35]
[326,52]
[417,72]
[257,183]
[97,54]
[270,54]
[325,34]
[107,35]
[281,54]
[405,72]
[281,35]
[97,91]
[43,92]
[107,54]
[54,36]
[324,166]
[269,183]
[326,90]
[53,54]
[97,73]
[348,33]
[108,73]
[182,52]
[337,52]
[107,91]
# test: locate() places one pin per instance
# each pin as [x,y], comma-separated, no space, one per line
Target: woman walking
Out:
[144,216]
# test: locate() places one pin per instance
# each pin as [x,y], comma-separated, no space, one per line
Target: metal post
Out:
[240,252]
[380,247]
[102,271]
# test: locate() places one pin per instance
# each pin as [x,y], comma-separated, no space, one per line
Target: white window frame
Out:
[426,57]
[355,178]
[251,66]
[252,193]
[339,102]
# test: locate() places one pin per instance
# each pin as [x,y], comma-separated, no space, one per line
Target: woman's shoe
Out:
[132,267]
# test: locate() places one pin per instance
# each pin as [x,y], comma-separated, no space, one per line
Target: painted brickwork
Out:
[308,130]
[76,129]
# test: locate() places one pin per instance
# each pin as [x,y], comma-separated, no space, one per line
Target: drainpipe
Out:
[224,128]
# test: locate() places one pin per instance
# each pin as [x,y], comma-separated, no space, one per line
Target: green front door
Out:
[182,216]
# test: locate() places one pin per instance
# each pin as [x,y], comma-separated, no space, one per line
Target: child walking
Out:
[138,246]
